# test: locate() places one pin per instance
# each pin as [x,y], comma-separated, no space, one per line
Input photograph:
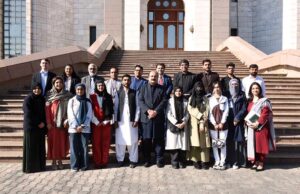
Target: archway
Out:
[165,24]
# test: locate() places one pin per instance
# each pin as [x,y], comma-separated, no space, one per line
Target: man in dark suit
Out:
[163,79]
[90,79]
[185,79]
[208,77]
[44,77]
[152,101]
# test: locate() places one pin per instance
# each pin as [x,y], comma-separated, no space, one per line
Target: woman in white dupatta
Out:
[261,134]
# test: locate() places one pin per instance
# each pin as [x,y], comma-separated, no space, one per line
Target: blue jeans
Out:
[79,150]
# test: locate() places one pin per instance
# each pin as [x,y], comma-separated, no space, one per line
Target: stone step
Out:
[11,136]
[283,158]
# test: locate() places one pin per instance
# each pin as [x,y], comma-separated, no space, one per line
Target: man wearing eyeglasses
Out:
[137,81]
[90,80]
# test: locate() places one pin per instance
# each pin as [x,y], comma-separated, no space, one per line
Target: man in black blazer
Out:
[208,77]
[152,101]
[44,77]
[90,80]
[185,79]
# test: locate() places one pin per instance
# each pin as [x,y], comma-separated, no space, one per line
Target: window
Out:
[14,27]
[234,1]
[233,32]
[93,34]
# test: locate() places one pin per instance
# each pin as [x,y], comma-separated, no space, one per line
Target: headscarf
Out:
[234,90]
[83,107]
[33,87]
[197,97]
[63,97]
[105,100]
[178,104]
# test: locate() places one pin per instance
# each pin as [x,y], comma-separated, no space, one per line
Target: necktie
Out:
[92,86]
[161,81]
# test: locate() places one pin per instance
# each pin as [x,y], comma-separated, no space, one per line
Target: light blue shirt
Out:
[44,76]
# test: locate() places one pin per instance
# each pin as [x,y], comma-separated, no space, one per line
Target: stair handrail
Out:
[243,50]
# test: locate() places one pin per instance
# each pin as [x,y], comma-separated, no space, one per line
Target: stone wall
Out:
[267,25]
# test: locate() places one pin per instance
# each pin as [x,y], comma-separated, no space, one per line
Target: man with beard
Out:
[89,81]
[253,77]
[127,114]
[185,79]
[208,77]
[152,101]
[225,80]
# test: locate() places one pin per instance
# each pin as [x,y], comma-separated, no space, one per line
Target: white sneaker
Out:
[222,167]
[235,167]
[216,167]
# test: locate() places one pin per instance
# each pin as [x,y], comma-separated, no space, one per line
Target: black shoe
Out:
[132,165]
[182,164]
[175,166]
[197,165]
[120,164]
[160,164]
[204,166]
[147,164]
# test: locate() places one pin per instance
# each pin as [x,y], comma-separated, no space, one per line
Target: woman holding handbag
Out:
[218,113]
[177,129]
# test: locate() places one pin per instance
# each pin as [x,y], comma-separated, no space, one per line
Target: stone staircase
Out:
[283,92]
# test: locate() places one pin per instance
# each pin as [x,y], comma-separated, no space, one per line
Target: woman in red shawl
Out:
[103,110]
[261,134]
[56,116]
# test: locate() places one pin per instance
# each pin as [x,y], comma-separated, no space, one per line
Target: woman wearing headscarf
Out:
[80,115]
[236,131]
[101,126]
[177,139]
[70,78]
[261,133]
[199,134]
[34,125]
[56,115]
[218,113]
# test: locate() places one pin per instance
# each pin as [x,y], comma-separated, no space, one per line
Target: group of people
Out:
[187,116]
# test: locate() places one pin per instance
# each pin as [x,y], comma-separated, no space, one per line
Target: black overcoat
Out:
[152,128]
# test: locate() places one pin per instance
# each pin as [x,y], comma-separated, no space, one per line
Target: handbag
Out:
[173,128]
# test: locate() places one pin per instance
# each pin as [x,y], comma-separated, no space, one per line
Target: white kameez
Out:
[125,133]
[177,140]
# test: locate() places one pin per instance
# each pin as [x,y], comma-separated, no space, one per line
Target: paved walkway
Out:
[276,179]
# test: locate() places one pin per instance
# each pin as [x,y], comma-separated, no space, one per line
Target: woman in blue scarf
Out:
[79,118]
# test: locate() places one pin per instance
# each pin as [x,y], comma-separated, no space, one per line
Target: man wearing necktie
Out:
[89,81]
[44,77]
[163,79]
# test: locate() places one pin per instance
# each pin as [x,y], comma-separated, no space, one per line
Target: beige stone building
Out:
[31,26]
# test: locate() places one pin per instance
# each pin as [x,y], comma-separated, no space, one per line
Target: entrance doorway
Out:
[165,24]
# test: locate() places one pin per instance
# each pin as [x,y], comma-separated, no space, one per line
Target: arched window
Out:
[165,24]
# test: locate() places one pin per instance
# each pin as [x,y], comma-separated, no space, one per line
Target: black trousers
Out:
[240,156]
[178,156]
[158,144]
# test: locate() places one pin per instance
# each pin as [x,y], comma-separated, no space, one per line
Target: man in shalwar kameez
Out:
[127,114]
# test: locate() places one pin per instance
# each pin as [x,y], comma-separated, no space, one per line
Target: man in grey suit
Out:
[90,80]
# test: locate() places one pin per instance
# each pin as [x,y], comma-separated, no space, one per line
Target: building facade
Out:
[31,26]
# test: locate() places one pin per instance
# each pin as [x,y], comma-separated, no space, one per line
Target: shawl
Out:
[257,107]
[63,97]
